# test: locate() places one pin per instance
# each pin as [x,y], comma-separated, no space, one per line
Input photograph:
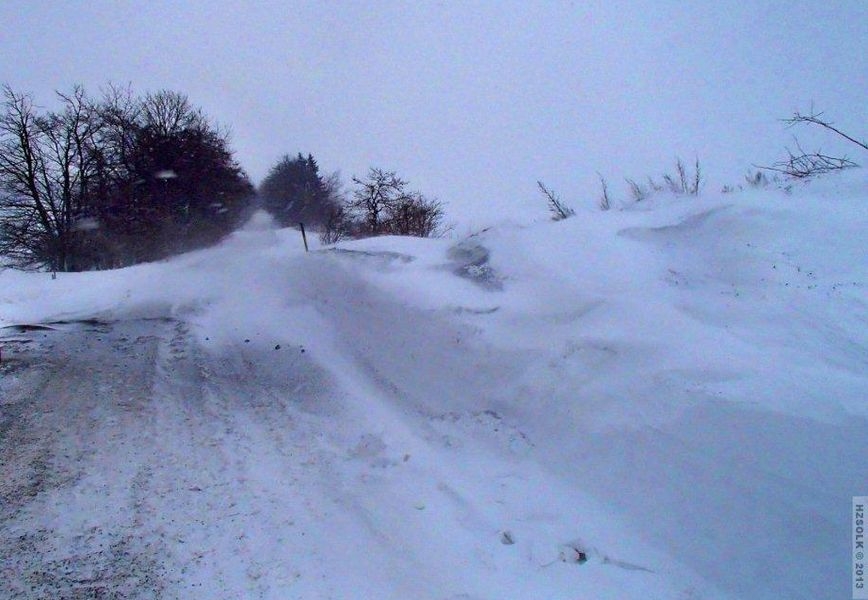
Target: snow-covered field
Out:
[666,401]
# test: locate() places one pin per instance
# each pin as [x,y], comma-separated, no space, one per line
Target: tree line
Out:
[381,203]
[110,181]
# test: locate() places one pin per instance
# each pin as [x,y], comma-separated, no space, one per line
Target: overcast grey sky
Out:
[471,101]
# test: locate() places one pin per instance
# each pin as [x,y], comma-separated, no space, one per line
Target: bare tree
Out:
[121,114]
[24,214]
[47,164]
[169,113]
[375,196]
[385,205]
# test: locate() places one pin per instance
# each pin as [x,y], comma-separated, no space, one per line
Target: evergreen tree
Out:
[295,192]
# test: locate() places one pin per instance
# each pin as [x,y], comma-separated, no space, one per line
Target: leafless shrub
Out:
[337,226]
[757,179]
[557,208]
[637,190]
[605,201]
[683,182]
[754,179]
[414,214]
[803,164]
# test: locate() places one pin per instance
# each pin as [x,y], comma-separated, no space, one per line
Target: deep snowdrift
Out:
[677,391]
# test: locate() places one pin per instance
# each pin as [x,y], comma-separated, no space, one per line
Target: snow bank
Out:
[698,366]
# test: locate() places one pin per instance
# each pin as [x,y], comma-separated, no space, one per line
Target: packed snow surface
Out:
[664,401]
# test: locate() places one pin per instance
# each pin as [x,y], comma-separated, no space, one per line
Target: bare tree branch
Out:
[814,118]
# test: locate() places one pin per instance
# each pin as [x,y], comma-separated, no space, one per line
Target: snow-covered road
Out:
[141,460]
[131,465]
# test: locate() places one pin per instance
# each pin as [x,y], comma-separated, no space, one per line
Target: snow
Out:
[674,391]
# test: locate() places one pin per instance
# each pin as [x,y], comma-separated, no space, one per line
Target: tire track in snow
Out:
[148,467]
[73,535]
